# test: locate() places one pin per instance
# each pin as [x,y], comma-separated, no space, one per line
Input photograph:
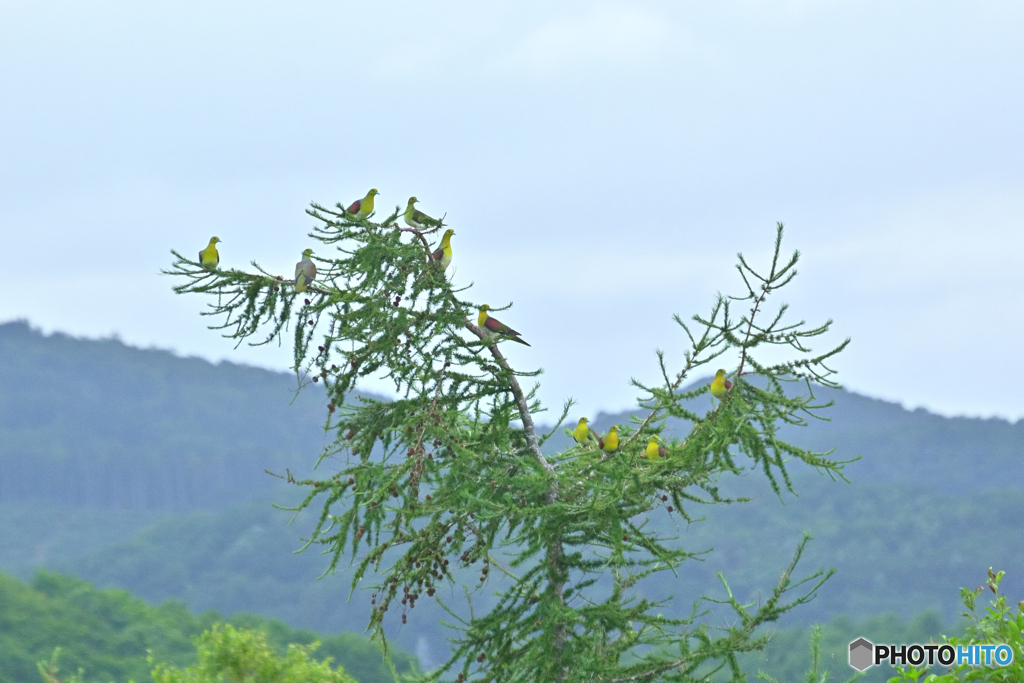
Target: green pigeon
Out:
[209,258]
[494,328]
[584,434]
[305,271]
[415,218]
[443,255]
[363,207]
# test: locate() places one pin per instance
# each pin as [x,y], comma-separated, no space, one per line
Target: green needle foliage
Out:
[815,674]
[449,475]
[1001,624]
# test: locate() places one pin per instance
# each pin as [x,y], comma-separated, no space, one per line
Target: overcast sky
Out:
[602,163]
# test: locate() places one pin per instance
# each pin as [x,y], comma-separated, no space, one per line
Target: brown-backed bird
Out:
[494,328]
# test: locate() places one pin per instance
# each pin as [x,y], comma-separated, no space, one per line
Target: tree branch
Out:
[524,408]
[556,551]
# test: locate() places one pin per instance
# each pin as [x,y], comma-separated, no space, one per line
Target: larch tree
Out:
[450,474]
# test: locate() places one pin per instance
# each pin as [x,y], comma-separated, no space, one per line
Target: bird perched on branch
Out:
[720,386]
[654,450]
[305,271]
[209,258]
[443,254]
[610,442]
[363,207]
[584,434]
[494,328]
[415,218]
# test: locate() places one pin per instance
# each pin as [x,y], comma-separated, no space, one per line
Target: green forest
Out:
[109,634]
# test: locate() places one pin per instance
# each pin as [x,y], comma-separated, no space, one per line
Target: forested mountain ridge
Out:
[100,424]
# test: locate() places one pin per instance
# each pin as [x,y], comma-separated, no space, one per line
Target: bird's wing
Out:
[423,218]
[306,269]
[495,325]
[355,206]
[438,255]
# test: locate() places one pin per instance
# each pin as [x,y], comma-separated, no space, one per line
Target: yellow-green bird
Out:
[611,440]
[209,258]
[720,386]
[415,218]
[443,254]
[584,434]
[494,328]
[654,450]
[305,271]
[363,207]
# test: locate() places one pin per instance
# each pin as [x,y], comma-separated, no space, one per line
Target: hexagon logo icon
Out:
[861,654]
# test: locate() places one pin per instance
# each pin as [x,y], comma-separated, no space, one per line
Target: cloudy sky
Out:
[601,162]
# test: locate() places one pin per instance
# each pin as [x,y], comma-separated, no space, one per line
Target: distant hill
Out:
[99,424]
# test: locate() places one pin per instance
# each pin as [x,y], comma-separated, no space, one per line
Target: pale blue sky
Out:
[601,163]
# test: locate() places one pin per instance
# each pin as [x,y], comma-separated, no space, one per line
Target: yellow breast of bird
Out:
[581,432]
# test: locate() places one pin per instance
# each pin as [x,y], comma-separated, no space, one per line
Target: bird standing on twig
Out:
[720,386]
[610,442]
[415,218]
[584,434]
[443,254]
[654,450]
[305,271]
[363,207]
[209,258]
[494,328]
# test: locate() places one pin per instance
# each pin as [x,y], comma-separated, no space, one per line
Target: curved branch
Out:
[524,408]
